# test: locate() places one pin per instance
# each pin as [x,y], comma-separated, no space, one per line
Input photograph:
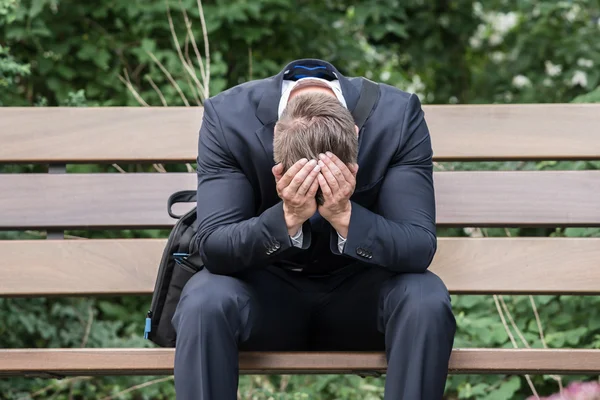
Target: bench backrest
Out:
[58,201]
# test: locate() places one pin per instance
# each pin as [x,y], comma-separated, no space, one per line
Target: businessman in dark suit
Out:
[285,272]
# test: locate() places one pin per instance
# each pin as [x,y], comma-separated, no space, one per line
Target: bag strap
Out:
[184,196]
[369,94]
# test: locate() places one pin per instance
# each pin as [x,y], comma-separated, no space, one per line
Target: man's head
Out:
[314,122]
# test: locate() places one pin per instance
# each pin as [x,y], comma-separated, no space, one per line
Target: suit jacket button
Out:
[370,256]
[277,245]
[360,252]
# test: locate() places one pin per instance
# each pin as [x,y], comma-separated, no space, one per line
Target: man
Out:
[283,272]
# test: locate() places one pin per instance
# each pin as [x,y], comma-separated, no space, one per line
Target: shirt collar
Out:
[288,85]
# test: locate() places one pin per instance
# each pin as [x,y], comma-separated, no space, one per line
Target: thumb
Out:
[277,171]
[353,169]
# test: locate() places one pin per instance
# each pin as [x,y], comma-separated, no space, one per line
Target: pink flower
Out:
[576,391]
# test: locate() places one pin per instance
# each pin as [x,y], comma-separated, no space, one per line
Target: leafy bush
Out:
[54,52]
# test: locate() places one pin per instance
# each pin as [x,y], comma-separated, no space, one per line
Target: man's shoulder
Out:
[247,92]
[393,98]
[389,95]
[393,93]
[386,89]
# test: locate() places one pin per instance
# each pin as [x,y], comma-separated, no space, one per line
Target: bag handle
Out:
[184,196]
[369,94]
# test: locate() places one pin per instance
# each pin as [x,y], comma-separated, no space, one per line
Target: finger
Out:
[347,173]
[301,176]
[329,177]
[290,173]
[327,193]
[337,173]
[277,171]
[312,192]
[310,179]
[353,169]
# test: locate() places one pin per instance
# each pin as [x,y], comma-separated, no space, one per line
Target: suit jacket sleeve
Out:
[230,237]
[400,233]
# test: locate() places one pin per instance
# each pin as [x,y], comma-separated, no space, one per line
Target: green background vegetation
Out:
[71,53]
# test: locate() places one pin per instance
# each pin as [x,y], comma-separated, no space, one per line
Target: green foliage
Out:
[7,10]
[10,70]
[535,51]
[567,321]
[54,52]
[53,323]
[447,52]
[591,97]
[326,387]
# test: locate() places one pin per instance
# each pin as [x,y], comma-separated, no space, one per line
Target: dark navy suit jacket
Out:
[240,217]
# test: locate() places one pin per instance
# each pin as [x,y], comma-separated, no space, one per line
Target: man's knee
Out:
[418,297]
[207,297]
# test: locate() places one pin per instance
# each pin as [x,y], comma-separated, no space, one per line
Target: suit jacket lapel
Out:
[350,92]
[265,136]
[266,112]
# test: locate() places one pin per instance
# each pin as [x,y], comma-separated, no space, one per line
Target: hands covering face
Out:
[298,186]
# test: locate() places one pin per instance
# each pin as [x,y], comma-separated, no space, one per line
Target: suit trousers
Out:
[357,308]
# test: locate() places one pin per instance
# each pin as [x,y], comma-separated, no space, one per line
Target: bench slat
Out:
[64,362]
[136,134]
[128,266]
[525,198]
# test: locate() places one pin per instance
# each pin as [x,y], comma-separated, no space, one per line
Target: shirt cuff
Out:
[341,242]
[298,238]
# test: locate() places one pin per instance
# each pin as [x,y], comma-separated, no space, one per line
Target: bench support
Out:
[56,169]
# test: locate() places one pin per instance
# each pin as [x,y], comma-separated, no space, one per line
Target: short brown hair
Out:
[314,123]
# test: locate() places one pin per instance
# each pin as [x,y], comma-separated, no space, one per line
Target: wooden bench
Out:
[56,201]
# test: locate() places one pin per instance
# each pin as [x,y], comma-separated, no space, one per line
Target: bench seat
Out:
[56,201]
[67,362]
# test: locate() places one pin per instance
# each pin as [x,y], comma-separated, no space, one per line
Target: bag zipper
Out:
[160,278]
[148,327]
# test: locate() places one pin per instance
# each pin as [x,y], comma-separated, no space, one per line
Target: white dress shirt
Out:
[297,239]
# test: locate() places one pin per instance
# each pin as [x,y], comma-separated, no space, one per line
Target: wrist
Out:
[292,223]
[293,230]
[341,221]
